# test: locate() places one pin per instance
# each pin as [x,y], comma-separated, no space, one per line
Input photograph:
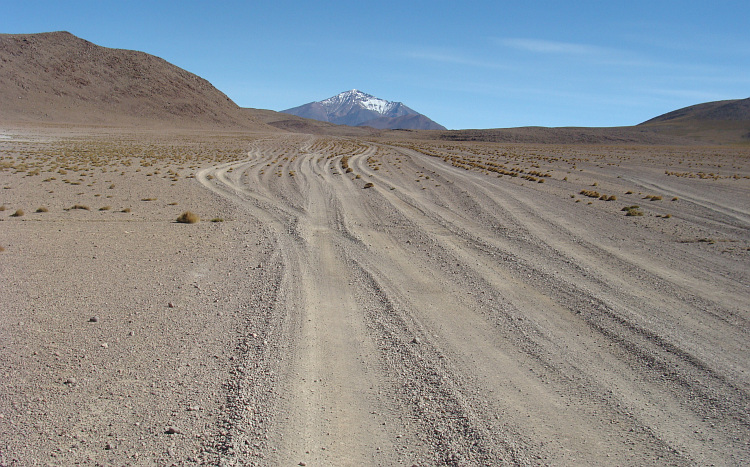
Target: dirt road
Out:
[436,315]
[371,302]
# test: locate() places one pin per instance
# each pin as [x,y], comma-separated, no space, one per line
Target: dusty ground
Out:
[458,311]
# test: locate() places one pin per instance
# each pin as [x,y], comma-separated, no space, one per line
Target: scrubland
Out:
[370,301]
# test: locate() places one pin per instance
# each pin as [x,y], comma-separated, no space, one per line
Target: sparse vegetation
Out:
[41,209]
[18,213]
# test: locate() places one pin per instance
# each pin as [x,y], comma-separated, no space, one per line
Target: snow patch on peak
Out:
[361,99]
[378,105]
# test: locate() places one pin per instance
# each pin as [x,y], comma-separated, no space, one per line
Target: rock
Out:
[170,305]
[173,431]
[94,319]
[70,381]
[416,340]
[109,446]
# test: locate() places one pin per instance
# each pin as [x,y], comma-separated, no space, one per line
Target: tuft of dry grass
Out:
[81,206]
[217,219]
[148,199]
[18,213]
[126,210]
[188,217]
[105,208]
[369,185]
[632,210]
[41,209]
[2,207]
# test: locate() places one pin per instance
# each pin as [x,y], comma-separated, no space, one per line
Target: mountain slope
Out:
[714,122]
[737,110]
[356,108]
[59,78]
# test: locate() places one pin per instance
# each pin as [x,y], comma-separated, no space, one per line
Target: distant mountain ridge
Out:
[357,108]
[58,78]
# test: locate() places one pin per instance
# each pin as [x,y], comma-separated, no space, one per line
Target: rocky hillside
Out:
[59,78]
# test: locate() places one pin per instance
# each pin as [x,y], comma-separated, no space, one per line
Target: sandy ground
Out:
[449,314]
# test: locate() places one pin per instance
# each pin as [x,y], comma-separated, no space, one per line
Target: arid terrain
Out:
[370,300]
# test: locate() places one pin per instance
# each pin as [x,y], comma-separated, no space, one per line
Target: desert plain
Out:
[370,300]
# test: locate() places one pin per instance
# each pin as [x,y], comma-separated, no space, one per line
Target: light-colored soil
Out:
[445,315]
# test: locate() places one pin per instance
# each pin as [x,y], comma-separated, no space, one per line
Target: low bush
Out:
[188,217]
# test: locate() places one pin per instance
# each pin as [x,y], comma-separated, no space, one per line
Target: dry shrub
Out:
[18,213]
[369,185]
[42,209]
[632,210]
[188,217]
[105,208]
[81,206]
[3,208]
[126,210]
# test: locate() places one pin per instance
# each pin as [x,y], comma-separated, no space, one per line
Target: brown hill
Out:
[716,122]
[737,110]
[565,135]
[59,78]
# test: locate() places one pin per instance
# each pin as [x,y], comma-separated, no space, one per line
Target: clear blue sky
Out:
[476,64]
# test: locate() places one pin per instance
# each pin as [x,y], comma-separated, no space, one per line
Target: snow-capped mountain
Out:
[356,108]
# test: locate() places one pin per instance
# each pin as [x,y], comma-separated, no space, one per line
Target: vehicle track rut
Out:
[468,321]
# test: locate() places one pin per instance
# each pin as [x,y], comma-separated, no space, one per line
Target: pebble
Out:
[173,431]
[416,340]
[109,447]
[170,305]
[94,319]
[70,381]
